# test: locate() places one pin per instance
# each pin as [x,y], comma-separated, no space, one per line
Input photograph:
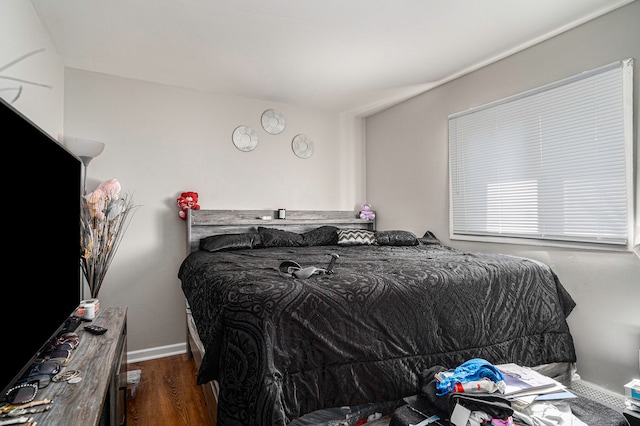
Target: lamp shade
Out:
[86,150]
[84,147]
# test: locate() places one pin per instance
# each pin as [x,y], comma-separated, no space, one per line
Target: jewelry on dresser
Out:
[66,376]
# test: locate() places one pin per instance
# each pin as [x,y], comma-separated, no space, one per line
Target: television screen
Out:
[41,242]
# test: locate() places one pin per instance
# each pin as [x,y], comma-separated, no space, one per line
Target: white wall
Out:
[407,183]
[161,141]
[30,68]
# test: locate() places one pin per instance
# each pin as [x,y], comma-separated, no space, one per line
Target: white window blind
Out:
[549,164]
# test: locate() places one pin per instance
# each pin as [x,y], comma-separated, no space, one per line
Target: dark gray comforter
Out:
[282,347]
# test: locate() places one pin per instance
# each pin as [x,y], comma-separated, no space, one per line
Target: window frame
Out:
[626,68]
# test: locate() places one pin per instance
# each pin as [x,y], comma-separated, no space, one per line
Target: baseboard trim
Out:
[157,352]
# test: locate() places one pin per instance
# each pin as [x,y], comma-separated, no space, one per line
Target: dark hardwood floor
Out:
[167,394]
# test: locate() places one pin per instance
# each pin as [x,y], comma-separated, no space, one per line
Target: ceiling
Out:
[351,56]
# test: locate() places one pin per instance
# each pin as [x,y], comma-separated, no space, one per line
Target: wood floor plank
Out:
[167,394]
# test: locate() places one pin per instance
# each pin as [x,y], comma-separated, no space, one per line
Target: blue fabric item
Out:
[471,370]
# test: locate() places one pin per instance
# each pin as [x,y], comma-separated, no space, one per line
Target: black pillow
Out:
[230,242]
[429,238]
[396,238]
[322,236]
[271,237]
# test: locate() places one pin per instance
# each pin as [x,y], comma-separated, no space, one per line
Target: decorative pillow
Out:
[356,237]
[323,236]
[230,242]
[272,237]
[429,238]
[396,238]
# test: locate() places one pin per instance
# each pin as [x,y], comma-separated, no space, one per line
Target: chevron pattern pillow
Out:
[356,237]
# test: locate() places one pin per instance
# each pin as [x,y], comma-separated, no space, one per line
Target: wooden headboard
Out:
[203,223]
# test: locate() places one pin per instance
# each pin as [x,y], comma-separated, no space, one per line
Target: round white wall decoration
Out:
[302,146]
[245,138]
[273,121]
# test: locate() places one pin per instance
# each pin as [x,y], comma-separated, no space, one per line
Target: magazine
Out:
[522,381]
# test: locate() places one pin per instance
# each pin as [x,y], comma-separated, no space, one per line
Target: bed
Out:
[271,349]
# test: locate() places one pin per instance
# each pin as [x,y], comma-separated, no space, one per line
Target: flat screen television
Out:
[41,241]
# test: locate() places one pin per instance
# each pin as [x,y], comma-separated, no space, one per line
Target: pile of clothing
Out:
[472,395]
[443,399]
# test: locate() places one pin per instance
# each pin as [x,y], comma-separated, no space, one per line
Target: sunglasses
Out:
[62,355]
[49,367]
[61,346]
[41,372]
[40,380]
[22,393]
[70,339]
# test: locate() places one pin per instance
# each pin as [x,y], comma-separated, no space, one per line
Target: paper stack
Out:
[527,385]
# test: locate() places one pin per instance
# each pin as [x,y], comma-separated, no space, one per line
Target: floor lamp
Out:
[86,150]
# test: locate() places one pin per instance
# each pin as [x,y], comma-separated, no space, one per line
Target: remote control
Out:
[95,329]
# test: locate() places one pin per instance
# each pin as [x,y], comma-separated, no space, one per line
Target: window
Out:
[552,165]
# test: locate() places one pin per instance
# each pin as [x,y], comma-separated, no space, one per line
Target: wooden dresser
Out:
[100,397]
